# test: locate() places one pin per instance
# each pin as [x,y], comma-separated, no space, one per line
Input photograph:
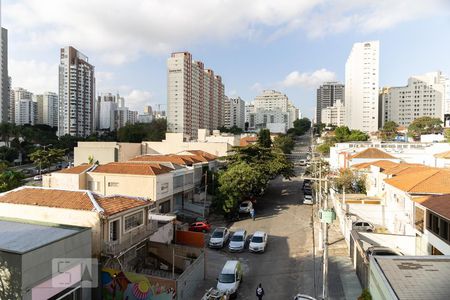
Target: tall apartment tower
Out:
[4,78]
[327,95]
[25,109]
[195,96]
[425,95]
[234,112]
[107,106]
[361,86]
[47,109]
[76,94]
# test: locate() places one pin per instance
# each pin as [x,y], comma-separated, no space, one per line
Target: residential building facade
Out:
[76,94]
[327,95]
[424,95]
[25,109]
[361,87]
[334,115]
[234,112]
[5,81]
[107,106]
[195,96]
[47,109]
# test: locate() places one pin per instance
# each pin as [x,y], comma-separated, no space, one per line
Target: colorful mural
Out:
[118,285]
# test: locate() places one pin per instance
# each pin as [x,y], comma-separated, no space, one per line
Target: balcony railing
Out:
[129,240]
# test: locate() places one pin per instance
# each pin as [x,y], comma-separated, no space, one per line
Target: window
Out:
[164,207]
[113,184]
[114,230]
[419,219]
[133,221]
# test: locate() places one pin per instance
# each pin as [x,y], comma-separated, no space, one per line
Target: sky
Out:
[288,45]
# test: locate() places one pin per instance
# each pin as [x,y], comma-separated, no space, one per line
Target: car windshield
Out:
[226,278]
[384,252]
[257,239]
[245,204]
[217,234]
[237,238]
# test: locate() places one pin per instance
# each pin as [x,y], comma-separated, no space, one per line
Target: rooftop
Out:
[382,164]
[424,277]
[187,160]
[422,180]
[373,153]
[248,140]
[76,200]
[21,236]
[444,155]
[404,168]
[133,168]
[76,170]
[439,204]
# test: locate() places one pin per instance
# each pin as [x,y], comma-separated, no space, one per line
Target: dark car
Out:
[200,227]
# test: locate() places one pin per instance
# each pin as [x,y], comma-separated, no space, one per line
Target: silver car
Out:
[238,240]
[219,237]
[363,226]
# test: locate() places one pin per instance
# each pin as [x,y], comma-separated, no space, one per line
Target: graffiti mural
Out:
[118,285]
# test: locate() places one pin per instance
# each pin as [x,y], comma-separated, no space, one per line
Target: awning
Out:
[162,218]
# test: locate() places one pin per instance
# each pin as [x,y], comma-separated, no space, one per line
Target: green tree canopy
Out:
[264,138]
[46,158]
[301,126]
[234,129]
[424,125]
[10,179]
[389,131]
[136,133]
[285,143]
[351,181]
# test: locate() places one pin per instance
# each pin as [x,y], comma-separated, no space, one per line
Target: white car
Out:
[219,237]
[37,178]
[258,242]
[245,207]
[238,240]
[307,199]
[363,226]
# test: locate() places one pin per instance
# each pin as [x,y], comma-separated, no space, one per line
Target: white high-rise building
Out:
[334,115]
[47,109]
[76,94]
[107,106]
[361,87]
[425,95]
[272,109]
[25,109]
[4,78]
[195,96]
[234,112]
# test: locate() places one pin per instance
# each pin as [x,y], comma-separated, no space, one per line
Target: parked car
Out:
[381,251]
[307,192]
[363,226]
[308,199]
[258,242]
[303,297]
[302,162]
[230,277]
[214,294]
[37,178]
[219,237]
[200,227]
[238,240]
[245,207]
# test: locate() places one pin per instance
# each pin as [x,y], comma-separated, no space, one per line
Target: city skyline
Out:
[241,51]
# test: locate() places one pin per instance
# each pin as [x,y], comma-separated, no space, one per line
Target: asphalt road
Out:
[286,268]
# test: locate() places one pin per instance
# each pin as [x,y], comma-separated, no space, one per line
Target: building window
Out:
[113,184]
[164,207]
[133,221]
[419,219]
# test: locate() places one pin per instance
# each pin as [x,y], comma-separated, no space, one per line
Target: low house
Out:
[371,154]
[70,178]
[118,223]
[105,152]
[29,252]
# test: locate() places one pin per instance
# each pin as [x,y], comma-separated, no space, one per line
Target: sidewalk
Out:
[342,280]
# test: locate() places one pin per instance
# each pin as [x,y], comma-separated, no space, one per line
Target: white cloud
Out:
[137,99]
[308,80]
[257,87]
[121,31]
[37,77]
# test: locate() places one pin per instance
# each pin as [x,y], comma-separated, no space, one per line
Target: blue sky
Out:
[288,45]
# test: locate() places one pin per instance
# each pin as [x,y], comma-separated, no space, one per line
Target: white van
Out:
[230,278]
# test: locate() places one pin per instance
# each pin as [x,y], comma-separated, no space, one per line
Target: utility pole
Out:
[325,249]
[206,193]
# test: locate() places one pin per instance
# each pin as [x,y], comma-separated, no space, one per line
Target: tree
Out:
[8,153]
[341,134]
[233,129]
[324,148]
[301,126]
[10,179]
[357,135]
[264,138]
[351,181]
[424,125]
[45,158]
[447,134]
[136,133]
[389,131]
[285,143]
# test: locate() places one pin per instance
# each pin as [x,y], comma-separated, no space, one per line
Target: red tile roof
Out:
[383,164]
[439,204]
[248,140]
[133,168]
[422,181]
[187,160]
[77,200]
[373,153]
[444,155]
[76,170]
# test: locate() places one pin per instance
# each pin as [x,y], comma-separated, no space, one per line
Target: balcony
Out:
[129,240]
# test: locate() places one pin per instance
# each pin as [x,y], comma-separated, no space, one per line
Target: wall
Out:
[129,150]
[103,152]
[168,147]
[59,216]
[10,275]
[126,184]
[379,287]
[190,238]
[437,242]
[164,234]
[64,181]
[165,252]
[188,281]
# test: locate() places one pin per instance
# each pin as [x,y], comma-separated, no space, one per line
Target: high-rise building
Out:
[195,96]
[148,110]
[25,109]
[334,115]
[234,112]
[47,109]
[4,78]
[361,87]
[424,95]
[327,94]
[76,93]
[106,107]
[272,109]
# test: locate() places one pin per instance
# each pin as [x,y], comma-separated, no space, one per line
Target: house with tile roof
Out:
[118,223]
